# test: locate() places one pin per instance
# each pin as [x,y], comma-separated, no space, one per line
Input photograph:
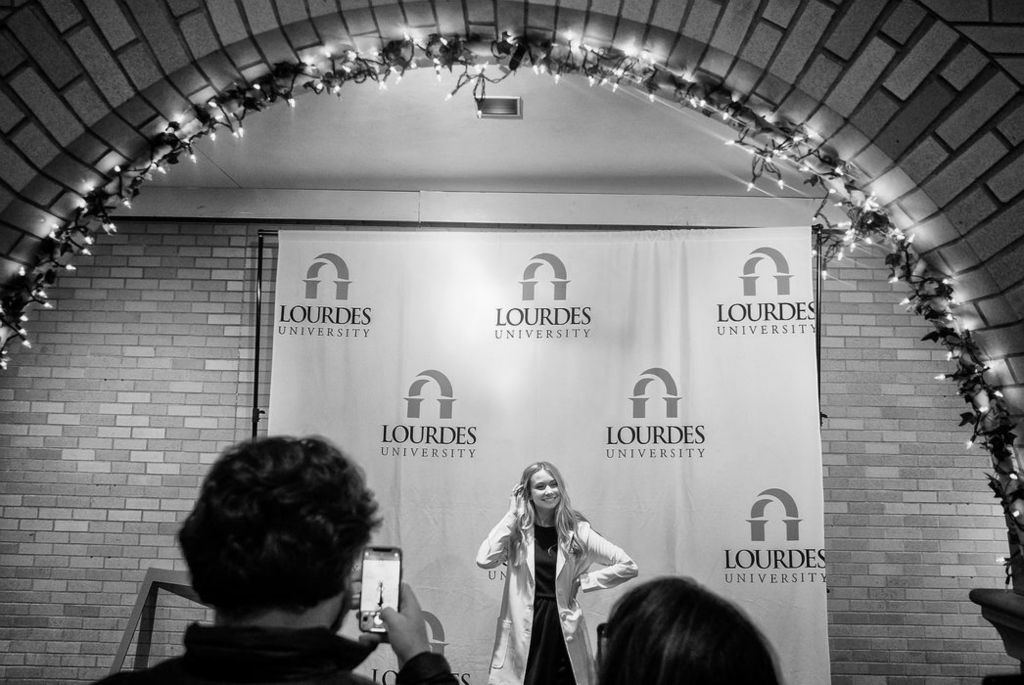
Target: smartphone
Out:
[380,581]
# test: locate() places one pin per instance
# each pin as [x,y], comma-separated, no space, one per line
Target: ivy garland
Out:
[770,143]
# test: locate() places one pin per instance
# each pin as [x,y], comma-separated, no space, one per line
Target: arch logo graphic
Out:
[324,311]
[767,307]
[341,281]
[774,554]
[429,430]
[750,276]
[655,431]
[545,279]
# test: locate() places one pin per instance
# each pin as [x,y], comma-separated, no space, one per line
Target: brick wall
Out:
[144,372]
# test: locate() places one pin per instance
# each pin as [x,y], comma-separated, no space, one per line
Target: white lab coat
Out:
[515,619]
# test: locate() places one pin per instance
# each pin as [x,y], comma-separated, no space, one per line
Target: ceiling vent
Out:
[500,107]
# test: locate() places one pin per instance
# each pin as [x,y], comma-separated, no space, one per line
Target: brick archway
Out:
[932,122]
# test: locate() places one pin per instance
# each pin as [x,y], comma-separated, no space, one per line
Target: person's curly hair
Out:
[278,524]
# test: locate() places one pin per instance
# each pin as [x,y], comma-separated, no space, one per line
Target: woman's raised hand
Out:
[515,502]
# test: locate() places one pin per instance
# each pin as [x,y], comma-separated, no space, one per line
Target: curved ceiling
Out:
[923,97]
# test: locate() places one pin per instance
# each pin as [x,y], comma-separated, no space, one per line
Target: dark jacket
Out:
[220,654]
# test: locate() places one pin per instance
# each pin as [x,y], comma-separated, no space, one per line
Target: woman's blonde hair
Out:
[567,519]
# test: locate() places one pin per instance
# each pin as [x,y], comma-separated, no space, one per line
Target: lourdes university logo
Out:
[424,436]
[655,437]
[774,516]
[765,273]
[313,318]
[545,277]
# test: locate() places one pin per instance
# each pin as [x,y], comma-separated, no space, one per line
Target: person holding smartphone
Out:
[549,549]
[271,544]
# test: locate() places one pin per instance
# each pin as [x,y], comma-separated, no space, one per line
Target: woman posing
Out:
[548,548]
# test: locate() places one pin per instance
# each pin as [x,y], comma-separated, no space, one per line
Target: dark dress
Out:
[548,662]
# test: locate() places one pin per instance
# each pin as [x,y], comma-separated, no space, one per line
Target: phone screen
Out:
[381,579]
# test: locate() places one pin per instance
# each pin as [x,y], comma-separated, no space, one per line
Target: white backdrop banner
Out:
[670,375]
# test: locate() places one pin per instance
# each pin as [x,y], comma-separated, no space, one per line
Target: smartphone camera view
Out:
[381,579]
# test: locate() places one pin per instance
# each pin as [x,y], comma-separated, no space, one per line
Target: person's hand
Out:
[407,629]
[515,502]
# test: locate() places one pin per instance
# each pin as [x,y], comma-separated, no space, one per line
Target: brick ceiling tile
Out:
[1008,182]
[74,175]
[936,230]
[333,32]
[974,113]
[112,22]
[10,113]
[360,21]
[965,168]
[227,21]
[873,116]
[1014,395]
[762,43]
[139,65]
[733,25]
[63,13]
[244,54]
[820,77]
[825,122]
[904,19]
[716,62]
[119,136]
[260,14]
[17,172]
[970,209]
[637,10]
[276,47]
[1014,298]
[772,90]
[960,256]
[914,66]
[1009,11]
[11,55]
[421,14]
[869,159]
[1012,126]
[742,78]
[302,35]
[46,106]
[35,145]
[918,206]
[1013,65]
[959,10]
[104,71]
[539,18]
[1005,266]
[579,5]
[860,76]
[42,191]
[600,28]
[199,35]
[801,40]
[607,7]
[975,284]
[46,47]
[993,38]
[923,159]
[853,26]
[291,11]
[669,13]
[219,70]
[914,116]
[86,102]
[996,311]
[701,20]
[87,148]
[892,184]
[992,236]
[161,34]
[966,65]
